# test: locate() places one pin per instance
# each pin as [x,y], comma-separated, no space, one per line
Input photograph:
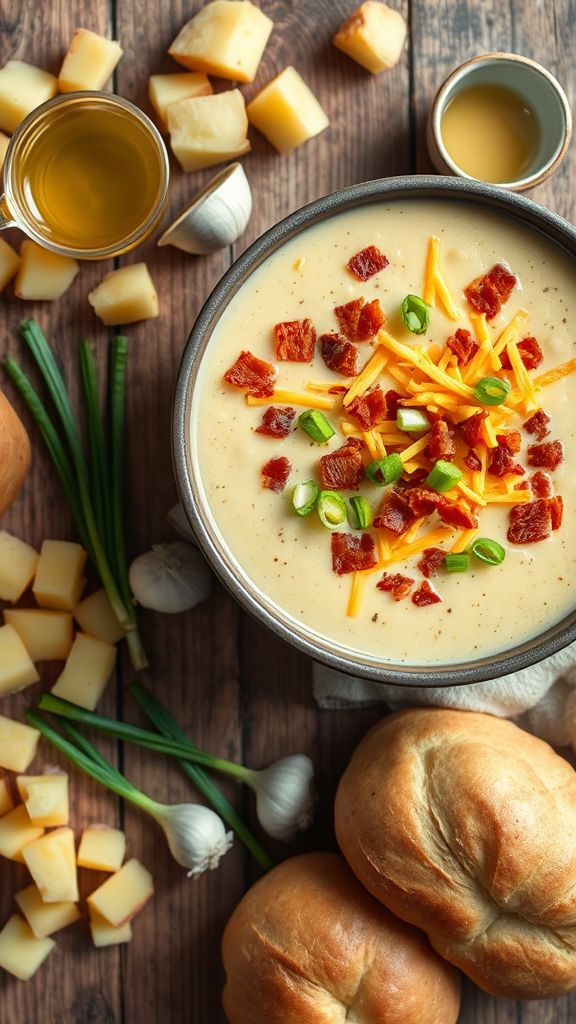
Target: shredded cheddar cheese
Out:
[555,374]
[480,326]
[462,542]
[358,581]
[293,398]
[429,540]
[435,287]
[420,360]
[505,498]
[367,376]
[520,372]
[414,449]
[470,494]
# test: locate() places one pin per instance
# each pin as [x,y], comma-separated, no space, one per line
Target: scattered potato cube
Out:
[122,895]
[105,934]
[6,801]
[95,616]
[45,918]
[47,636]
[86,672]
[89,62]
[45,798]
[208,130]
[51,860]
[43,275]
[373,36]
[102,848]
[225,38]
[125,295]
[9,261]
[22,88]
[21,953]
[16,667]
[16,832]
[287,112]
[59,579]
[18,562]
[4,143]
[166,89]
[18,744]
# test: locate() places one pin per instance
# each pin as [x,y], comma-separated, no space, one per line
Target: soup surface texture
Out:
[285,558]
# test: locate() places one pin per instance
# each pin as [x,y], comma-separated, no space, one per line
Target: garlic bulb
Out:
[284,796]
[195,834]
[179,522]
[215,217]
[170,578]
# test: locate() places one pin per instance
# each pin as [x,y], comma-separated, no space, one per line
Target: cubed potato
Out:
[208,130]
[51,860]
[18,745]
[287,112]
[102,848]
[166,89]
[86,672]
[21,953]
[373,36]
[89,62]
[43,275]
[125,295]
[4,143]
[225,38]
[17,832]
[95,616]
[59,579]
[6,801]
[45,798]
[22,88]
[47,636]
[45,918]
[122,895]
[9,261]
[17,669]
[18,562]
[105,934]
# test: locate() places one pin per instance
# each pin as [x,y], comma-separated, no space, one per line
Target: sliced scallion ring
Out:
[415,314]
[488,551]
[331,509]
[385,471]
[360,513]
[412,421]
[315,424]
[457,562]
[304,497]
[492,390]
[443,476]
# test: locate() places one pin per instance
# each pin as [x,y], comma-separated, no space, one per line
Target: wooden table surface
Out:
[235,688]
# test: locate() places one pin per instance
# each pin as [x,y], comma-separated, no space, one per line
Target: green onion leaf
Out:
[443,477]
[492,390]
[457,563]
[304,497]
[415,314]
[331,509]
[360,513]
[386,470]
[412,421]
[488,551]
[315,424]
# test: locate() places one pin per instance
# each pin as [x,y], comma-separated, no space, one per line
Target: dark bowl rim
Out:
[553,226]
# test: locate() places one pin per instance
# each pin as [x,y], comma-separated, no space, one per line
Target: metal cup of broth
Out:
[85,175]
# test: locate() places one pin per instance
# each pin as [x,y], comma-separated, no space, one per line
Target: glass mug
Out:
[85,175]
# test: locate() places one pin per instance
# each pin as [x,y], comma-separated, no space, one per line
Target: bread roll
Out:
[465,825]
[14,453]
[308,945]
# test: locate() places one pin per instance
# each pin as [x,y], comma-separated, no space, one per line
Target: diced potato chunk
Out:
[16,832]
[16,667]
[122,895]
[226,38]
[105,934]
[45,918]
[208,130]
[18,562]
[4,143]
[22,88]
[42,274]
[287,112]
[47,636]
[51,860]
[9,261]
[166,89]
[373,36]
[45,798]
[21,953]
[18,744]
[86,672]
[125,295]
[6,801]
[95,616]
[89,62]
[59,577]
[101,848]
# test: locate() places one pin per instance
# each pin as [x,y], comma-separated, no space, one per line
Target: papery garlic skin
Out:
[284,796]
[179,522]
[195,834]
[170,578]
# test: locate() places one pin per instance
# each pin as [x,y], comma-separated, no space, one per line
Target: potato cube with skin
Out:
[23,87]
[89,62]
[18,744]
[101,848]
[105,934]
[45,918]
[51,860]
[122,895]
[208,130]
[6,801]
[125,296]
[21,953]
[18,563]
[59,579]
[17,832]
[225,38]
[287,112]
[373,36]
[45,798]
[86,672]
[47,636]
[166,89]
[43,275]
[95,616]
[17,669]
[9,262]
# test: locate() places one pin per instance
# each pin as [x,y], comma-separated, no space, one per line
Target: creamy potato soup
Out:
[497,469]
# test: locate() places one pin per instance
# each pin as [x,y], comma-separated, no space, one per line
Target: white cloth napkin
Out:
[542,698]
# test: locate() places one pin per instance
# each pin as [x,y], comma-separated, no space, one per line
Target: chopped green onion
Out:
[443,477]
[457,563]
[492,390]
[386,470]
[360,513]
[415,314]
[304,497]
[331,509]
[315,424]
[412,421]
[488,551]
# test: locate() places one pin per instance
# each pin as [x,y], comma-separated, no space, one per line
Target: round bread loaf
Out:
[308,945]
[465,825]
[14,453]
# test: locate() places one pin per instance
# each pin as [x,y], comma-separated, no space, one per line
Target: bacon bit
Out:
[472,461]
[392,399]
[348,317]
[531,522]
[295,341]
[352,552]
[395,584]
[425,595]
[501,462]
[488,293]
[538,424]
[360,320]
[339,355]
[394,514]
[530,353]
[413,479]
[253,375]
[431,562]
[556,506]
[511,441]
[367,262]
[462,345]
[276,421]
[343,470]
[549,454]
[471,428]
[369,408]
[456,513]
[541,484]
[422,501]
[275,474]
[441,441]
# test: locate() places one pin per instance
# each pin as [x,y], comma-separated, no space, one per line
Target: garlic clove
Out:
[285,796]
[179,522]
[170,578]
[216,216]
[195,834]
